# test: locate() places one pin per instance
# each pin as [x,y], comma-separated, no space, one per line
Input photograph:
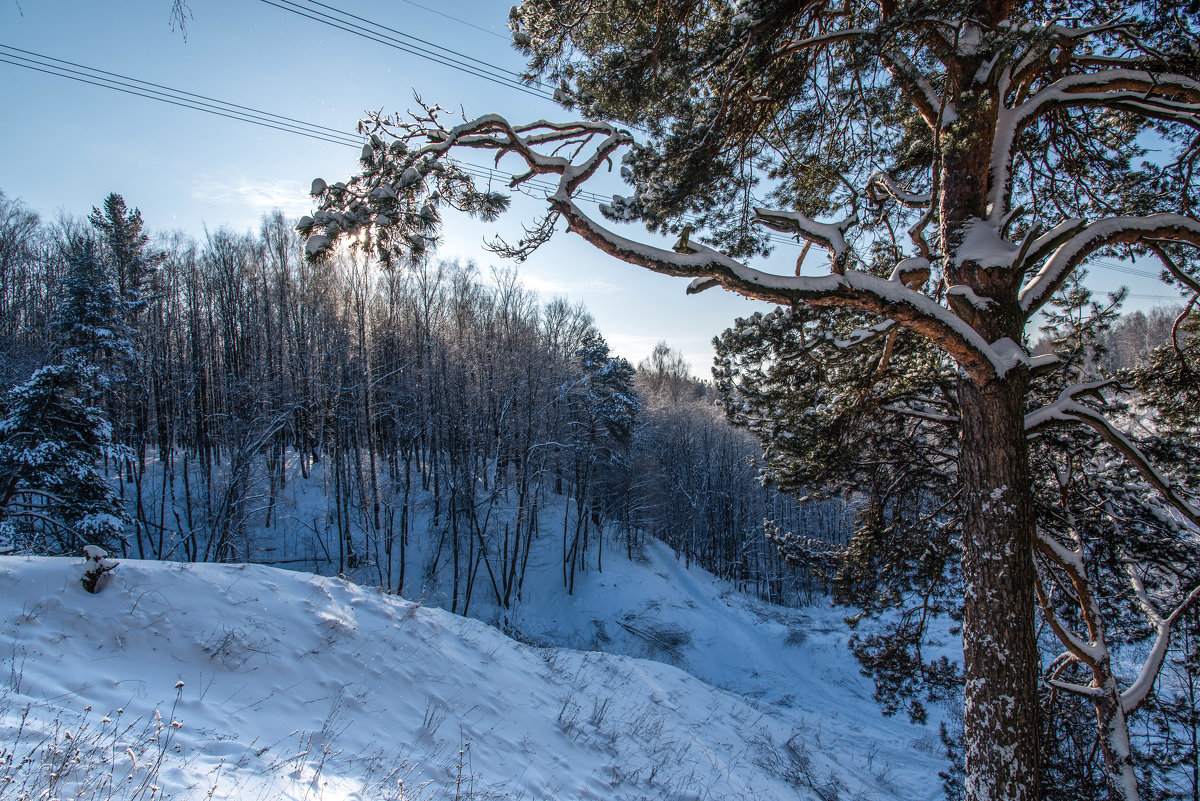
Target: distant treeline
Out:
[435,386]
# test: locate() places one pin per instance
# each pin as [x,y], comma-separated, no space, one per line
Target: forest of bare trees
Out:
[439,404]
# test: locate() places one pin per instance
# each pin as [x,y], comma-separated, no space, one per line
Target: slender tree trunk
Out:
[1191,733]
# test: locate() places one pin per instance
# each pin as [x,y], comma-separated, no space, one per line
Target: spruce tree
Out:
[608,396]
[602,408]
[132,266]
[127,246]
[89,324]
[54,434]
[54,498]
[994,145]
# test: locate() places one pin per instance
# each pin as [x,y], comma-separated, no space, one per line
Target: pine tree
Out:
[89,324]
[53,496]
[127,247]
[1007,138]
[1170,380]
[875,425]
[1076,325]
[602,411]
[831,422]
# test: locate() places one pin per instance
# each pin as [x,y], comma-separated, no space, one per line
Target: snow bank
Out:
[295,686]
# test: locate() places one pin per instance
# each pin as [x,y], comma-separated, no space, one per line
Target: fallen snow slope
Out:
[300,687]
[792,664]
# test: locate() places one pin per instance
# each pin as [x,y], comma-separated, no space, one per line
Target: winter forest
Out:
[336,515]
[176,388]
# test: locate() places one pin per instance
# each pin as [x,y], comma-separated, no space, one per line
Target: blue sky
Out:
[66,145]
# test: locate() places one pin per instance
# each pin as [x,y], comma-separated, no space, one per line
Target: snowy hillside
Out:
[295,686]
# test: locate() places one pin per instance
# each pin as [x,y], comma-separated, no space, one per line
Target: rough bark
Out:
[1114,734]
[1001,661]
[1000,651]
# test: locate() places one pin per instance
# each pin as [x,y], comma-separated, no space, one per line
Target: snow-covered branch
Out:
[828,38]
[831,236]
[1144,92]
[889,299]
[1071,562]
[922,413]
[1073,242]
[1069,409]
[1056,40]
[1136,693]
[852,288]
[860,336]
[881,181]
[920,91]
[1171,94]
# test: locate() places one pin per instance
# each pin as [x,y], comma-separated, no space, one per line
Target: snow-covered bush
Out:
[96,564]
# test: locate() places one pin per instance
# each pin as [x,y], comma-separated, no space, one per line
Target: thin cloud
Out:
[254,196]
[548,286]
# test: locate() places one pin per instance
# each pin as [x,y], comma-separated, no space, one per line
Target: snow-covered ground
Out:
[297,686]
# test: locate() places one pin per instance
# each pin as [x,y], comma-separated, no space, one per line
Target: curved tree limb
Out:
[1136,693]
[1089,238]
[1068,409]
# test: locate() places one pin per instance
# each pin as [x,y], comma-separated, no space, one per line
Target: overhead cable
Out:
[126,84]
[456,19]
[376,33]
[104,79]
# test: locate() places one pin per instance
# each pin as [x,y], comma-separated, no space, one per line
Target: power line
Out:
[454,60]
[456,19]
[410,37]
[369,29]
[518,81]
[1176,298]
[165,94]
[1127,270]
[96,72]
[126,84]
[207,104]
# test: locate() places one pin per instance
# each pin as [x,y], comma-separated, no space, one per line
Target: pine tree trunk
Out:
[1001,661]
[1001,657]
